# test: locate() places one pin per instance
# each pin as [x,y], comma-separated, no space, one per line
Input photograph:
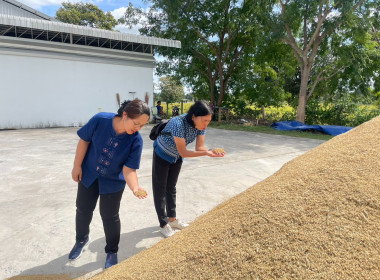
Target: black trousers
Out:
[164,181]
[109,206]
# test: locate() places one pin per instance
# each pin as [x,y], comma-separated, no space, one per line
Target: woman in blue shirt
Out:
[107,156]
[169,150]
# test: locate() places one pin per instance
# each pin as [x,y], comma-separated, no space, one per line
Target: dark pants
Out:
[164,180]
[109,206]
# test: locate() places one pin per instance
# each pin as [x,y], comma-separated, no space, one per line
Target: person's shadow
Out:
[131,243]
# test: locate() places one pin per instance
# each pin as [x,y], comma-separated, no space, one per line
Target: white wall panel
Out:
[47,92]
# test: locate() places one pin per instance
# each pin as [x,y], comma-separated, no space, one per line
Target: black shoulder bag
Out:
[157,129]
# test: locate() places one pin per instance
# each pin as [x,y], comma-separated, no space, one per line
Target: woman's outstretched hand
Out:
[216,152]
[140,193]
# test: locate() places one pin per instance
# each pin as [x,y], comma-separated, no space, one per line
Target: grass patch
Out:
[270,130]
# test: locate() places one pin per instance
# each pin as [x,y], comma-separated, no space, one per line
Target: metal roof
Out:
[54,26]
[15,8]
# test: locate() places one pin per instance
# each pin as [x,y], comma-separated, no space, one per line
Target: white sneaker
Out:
[166,231]
[178,224]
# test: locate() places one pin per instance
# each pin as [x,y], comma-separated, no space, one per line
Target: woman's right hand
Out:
[76,173]
[215,153]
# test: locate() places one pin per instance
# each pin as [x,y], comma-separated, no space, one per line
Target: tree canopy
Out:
[217,37]
[262,52]
[85,15]
[171,89]
[323,39]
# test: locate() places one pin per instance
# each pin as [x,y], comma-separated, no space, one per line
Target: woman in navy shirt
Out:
[169,150]
[107,156]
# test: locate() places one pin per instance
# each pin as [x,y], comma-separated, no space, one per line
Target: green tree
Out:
[264,83]
[85,15]
[372,21]
[309,28]
[217,38]
[171,90]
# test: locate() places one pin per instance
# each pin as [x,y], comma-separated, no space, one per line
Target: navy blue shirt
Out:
[159,109]
[107,153]
[165,146]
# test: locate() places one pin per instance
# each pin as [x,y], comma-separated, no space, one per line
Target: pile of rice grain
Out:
[318,217]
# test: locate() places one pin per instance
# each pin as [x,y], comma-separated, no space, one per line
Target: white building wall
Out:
[48,92]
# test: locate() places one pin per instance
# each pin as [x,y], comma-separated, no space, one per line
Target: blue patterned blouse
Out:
[165,146]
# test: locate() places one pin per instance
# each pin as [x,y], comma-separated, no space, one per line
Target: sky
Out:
[116,7]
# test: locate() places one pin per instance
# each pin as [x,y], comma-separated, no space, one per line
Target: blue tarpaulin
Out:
[295,125]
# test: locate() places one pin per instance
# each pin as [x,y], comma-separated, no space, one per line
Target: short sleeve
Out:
[134,157]
[87,131]
[176,127]
[201,132]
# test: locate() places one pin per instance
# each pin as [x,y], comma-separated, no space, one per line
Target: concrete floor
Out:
[37,195]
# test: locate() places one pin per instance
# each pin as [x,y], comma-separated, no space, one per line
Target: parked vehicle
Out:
[175,111]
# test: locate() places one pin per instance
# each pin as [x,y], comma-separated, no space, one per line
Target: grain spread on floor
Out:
[318,217]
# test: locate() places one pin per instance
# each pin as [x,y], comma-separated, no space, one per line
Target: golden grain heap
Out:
[318,217]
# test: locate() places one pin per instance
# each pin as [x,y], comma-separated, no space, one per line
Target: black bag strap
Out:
[169,133]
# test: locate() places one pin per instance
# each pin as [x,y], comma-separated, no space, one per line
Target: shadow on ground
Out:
[60,268]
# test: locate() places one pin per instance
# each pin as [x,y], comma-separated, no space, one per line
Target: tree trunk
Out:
[212,92]
[223,86]
[302,97]
[301,110]
[263,111]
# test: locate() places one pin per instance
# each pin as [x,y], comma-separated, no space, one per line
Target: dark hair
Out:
[134,108]
[198,109]
[159,101]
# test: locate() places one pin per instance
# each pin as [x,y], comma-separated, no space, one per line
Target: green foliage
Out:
[171,89]
[85,15]
[131,16]
[362,114]
[269,130]
[217,38]
[240,53]
[281,113]
[356,50]
[329,41]
[240,108]
[265,86]
[344,111]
